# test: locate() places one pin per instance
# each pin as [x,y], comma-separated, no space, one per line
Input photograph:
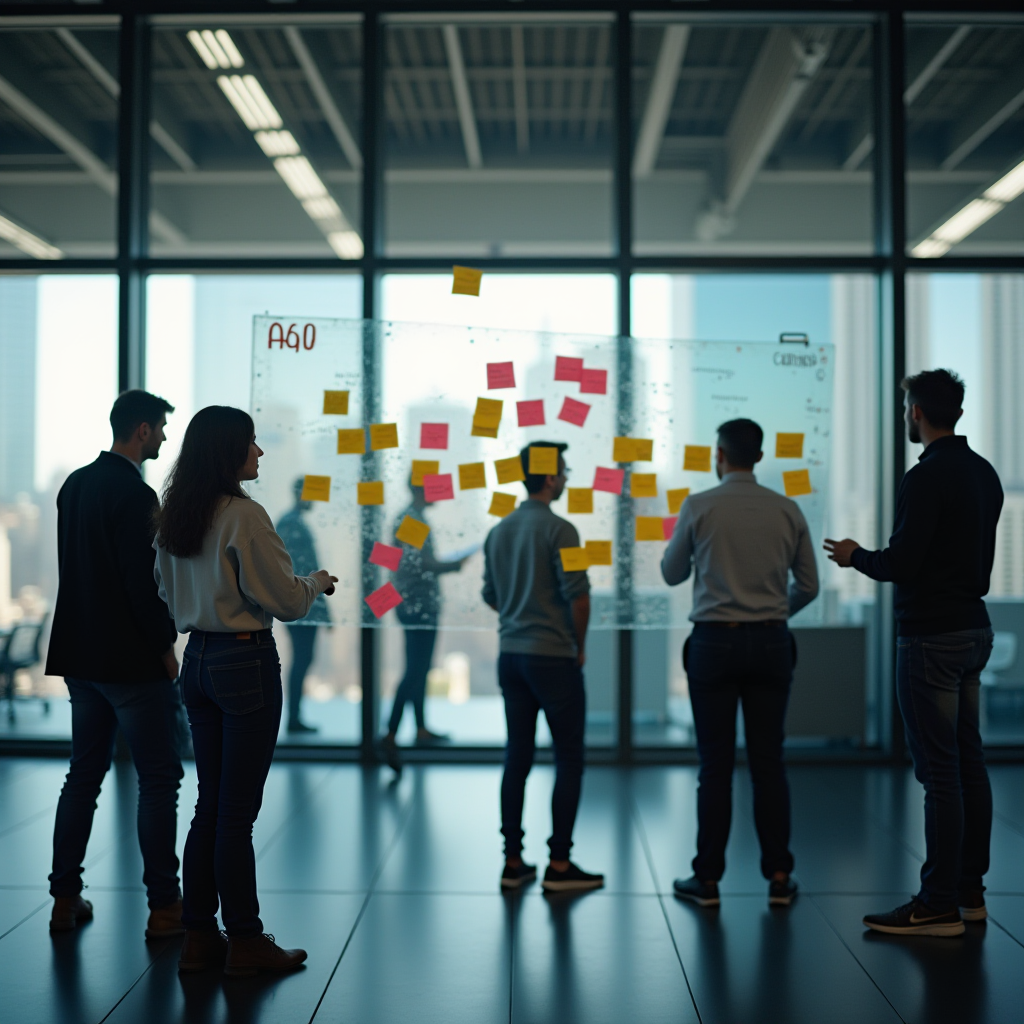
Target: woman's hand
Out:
[326,580]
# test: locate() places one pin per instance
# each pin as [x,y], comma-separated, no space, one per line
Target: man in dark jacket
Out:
[940,558]
[113,641]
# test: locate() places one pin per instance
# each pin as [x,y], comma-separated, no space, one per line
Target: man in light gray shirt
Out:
[741,541]
[543,614]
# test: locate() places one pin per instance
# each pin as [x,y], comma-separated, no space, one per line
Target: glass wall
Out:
[58,138]
[58,379]
[974,324]
[752,138]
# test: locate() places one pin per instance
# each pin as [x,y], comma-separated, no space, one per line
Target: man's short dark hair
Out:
[534,482]
[741,441]
[940,393]
[134,407]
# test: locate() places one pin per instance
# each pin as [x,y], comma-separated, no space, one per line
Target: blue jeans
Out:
[419,652]
[232,690]
[938,685]
[149,716]
[752,666]
[529,683]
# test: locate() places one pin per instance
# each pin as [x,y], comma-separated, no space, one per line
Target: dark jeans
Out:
[419,652]
[530,683]
[726,667]
[148,714]
[303,642]
[232,690]
[938,684]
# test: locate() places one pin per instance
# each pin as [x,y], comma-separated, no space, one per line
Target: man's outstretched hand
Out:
[841,551]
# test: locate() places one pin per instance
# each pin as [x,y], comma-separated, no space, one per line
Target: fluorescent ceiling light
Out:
[323,208]
[271,118]
[231,51]
[27,242]
[969,219]
[217,49]
[203,50]
[300,177]
[251,104]
[347,244]
[277,143]
[1008,187]
[929,249]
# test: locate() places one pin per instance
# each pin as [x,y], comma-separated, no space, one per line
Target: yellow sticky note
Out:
[383,435]
[472,475]
[351,442]
[632,449]
[479,430]
[574,559]
[676,497]
[335,403]
[544,461]
[371,492]
[422,468]
[789,446]
[649,528]
[599,552]
[509,470]
[316,488]
[797,482]
[581,500]
[466,281]
[412,531]
[488,412]
[643,485]
[502,504]
[697,457]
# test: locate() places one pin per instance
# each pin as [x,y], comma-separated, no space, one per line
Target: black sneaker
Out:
[781,893]
[972,904]
[572,879]
[391,755]
[916,918]
[692,889]
[514,878]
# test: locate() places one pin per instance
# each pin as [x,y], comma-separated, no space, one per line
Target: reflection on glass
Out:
[58,380]
[965,138]
[974,324]
[498,136]
[256,137]
[58,141]
[752,138]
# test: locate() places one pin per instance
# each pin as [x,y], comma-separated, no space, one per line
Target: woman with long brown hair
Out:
[225,575]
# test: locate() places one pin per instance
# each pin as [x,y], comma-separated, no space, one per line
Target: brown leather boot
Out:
[250,954]
[165,922]
[202,950]
[69,912]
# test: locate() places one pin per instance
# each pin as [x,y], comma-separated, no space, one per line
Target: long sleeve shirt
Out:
[943,542]
[241,580]
[742,541]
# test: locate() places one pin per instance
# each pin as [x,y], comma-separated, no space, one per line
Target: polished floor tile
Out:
[1007,910]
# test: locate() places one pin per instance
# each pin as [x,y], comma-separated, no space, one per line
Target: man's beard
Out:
[913,433]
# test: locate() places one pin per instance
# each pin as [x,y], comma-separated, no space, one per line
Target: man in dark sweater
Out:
[940,558]
[113,641]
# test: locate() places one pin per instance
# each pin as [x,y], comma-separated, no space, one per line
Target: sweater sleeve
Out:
[265,577]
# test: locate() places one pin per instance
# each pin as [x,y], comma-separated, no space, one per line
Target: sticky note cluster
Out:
[591,381]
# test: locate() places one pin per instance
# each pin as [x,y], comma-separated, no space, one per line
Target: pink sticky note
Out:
[385,555]
[594,382]
[609,480]
[668,526]
[500,375]
[574,412]
[531,414]
[383,599]
[568,368]
[438,486]
[433,435]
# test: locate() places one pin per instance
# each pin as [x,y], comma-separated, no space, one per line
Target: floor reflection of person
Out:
[417,581]
[298,539]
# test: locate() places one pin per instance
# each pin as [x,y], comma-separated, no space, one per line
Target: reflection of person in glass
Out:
[417,582]
[298,539]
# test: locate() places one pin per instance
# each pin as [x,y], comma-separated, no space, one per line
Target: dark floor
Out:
[393,890]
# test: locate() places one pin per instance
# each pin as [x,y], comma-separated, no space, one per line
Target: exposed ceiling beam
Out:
[332,115]
[659,99]
[985,117]
[463,101]
[520,98]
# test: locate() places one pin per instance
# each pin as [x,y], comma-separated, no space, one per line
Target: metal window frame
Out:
[889,263]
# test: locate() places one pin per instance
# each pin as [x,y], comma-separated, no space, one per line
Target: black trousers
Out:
[303,643]
[419,652]
[753,667]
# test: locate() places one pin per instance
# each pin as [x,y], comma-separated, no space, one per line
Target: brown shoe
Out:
[250,954]
[202,950]
[69,912]
[165,922]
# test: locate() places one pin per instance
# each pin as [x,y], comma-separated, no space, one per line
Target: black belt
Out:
[254,634]
[760,624]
